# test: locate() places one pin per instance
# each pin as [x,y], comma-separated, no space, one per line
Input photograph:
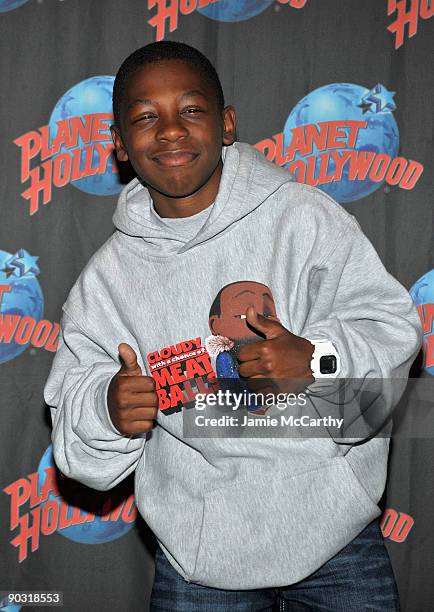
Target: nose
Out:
[171,129]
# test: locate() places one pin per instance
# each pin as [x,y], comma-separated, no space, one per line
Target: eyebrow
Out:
[248,291]
[187,94]
[193,92]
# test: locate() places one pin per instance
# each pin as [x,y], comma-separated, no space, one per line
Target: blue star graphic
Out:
[8,272]
[380,98]
[365,106]
[24,263]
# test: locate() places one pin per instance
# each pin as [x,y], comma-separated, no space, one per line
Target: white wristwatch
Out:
[325,361]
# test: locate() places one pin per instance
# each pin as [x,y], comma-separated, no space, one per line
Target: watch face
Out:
[328,364]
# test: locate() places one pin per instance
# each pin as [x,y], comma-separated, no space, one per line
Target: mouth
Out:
[170,159]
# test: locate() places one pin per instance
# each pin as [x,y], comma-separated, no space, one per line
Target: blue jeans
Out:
[359,578]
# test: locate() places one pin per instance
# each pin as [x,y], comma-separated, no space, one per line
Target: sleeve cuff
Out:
[102,407]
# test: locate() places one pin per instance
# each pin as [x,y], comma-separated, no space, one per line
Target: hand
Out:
[282,355]
[131,397]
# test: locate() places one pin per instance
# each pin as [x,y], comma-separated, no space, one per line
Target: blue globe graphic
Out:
[93,95]
[339,102]
[96,531]
[25,300]
[10,5]
[422,292]
[235,10]
[8,607]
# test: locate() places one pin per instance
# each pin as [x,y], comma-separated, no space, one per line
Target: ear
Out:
[229,125]
[121,152]
[213,324]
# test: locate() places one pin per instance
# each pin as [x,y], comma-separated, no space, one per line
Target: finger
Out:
[134,416]
[148,400]
[270,328]
[128,359]
[140,427]
[248,352]
[249,369]
[143,413]
[138,384]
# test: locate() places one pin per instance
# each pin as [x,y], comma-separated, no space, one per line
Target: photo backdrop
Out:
[339,92]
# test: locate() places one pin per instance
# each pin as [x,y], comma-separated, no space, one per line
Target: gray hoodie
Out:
[231,513]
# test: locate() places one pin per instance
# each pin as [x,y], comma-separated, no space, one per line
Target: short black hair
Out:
[158,52]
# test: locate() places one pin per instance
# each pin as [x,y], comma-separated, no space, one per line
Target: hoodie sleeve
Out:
[86,445]
[372,321]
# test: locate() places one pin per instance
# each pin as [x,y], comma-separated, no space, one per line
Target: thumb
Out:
[129,364]
[271,328]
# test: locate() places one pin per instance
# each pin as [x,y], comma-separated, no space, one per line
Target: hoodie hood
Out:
[244,185]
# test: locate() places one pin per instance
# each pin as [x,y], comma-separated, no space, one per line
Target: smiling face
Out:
[172,132]
[234,301]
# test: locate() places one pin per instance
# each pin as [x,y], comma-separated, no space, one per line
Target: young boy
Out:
[240,522]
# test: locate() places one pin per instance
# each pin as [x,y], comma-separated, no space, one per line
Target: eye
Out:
[240,316]
[192,110]
[145,117]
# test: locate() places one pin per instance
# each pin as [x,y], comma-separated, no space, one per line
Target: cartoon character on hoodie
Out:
[230,330]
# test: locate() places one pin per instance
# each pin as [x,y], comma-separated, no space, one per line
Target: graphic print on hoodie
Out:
[188,367]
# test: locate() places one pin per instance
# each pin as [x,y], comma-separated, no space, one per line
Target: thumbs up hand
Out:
[131,397]
[130,366]
[282,355]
